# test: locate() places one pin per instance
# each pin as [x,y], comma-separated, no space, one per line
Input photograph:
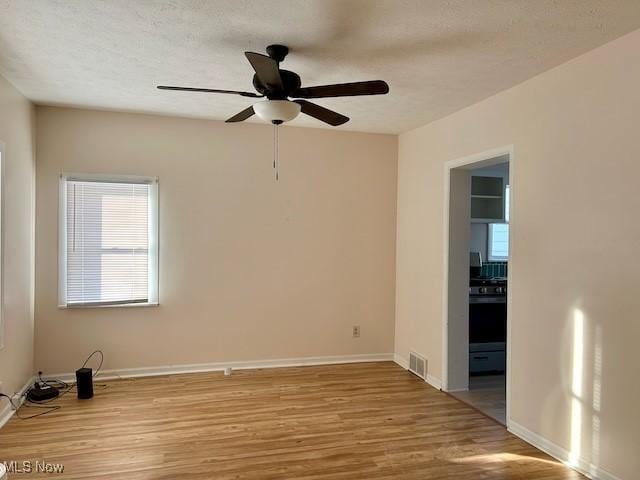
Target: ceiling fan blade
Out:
[209,90]
[323,114]
[266,69]
[243,115]
[373,87]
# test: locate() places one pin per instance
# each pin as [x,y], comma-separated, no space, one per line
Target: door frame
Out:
[473,161]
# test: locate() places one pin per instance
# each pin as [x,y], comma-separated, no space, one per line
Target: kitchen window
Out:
[498,237]
[108,241]
[498,242]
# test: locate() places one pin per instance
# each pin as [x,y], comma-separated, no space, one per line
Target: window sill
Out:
[119,305]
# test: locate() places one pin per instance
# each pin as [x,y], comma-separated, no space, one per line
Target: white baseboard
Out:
[6,412]
[404,363]
[581,465]
[434,382]
[237,365]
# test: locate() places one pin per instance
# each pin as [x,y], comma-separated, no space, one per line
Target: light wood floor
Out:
[350,422]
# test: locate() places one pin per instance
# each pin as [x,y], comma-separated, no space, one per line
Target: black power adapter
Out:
[42,391]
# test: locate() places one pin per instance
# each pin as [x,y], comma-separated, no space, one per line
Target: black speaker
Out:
[84,383]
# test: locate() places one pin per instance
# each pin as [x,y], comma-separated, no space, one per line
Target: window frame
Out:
[507,217]
[507,203]
[153,275]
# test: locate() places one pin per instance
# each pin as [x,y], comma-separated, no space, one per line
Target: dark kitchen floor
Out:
[488,394]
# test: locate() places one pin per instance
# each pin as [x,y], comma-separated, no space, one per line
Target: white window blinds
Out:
[109,230]
[498,242]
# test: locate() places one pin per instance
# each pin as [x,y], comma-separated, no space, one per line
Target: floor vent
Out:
[418,365]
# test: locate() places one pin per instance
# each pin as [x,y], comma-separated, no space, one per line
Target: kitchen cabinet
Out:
[487,199]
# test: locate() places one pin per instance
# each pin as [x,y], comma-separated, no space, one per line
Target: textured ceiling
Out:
[437,56]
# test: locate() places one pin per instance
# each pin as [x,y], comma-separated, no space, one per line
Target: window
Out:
[498,238]
[498,242]
[108,241]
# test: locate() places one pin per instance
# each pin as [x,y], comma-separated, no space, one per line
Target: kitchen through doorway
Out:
[477,271]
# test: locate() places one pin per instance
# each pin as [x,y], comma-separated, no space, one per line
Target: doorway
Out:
[478,194]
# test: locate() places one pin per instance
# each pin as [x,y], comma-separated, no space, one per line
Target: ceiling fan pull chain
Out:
[276,162]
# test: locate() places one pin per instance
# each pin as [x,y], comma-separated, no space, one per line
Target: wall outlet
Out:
[356,331]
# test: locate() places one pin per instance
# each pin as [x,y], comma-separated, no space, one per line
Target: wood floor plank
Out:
[356,421]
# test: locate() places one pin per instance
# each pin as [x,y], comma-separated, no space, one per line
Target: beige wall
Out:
[250,268]
[575,243]
[16,139]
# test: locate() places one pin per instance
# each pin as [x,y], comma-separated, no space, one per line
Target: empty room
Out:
[319,239]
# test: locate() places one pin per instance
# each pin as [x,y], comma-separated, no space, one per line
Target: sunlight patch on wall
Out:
[597,396]
[577,373]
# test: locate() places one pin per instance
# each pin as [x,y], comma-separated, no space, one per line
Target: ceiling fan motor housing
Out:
[290,82]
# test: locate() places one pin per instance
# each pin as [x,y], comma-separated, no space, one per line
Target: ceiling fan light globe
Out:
[277,110]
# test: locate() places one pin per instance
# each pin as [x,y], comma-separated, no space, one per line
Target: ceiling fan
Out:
[279,85]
